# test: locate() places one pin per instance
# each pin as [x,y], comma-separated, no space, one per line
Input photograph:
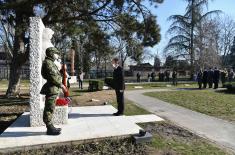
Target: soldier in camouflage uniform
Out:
[50,72]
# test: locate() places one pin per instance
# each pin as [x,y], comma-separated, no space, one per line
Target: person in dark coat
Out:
[216,77]
[119,86]
[161,76]
[230,75]
[200,79]
[167,75]
[153,76]
[205,78]
[138,77]
[149,77]
[174,78]
[210,77]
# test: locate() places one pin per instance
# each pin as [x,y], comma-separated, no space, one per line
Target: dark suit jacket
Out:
[216,75]
[205,76]
[118,79]
[210,76]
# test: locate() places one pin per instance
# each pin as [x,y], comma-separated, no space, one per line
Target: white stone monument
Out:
[40,40]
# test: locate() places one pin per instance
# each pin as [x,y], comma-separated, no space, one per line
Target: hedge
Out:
[109,82]
[230,86]
[95,85]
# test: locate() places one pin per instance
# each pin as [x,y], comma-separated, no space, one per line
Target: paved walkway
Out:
[219,131]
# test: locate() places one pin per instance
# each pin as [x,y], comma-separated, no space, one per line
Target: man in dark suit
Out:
[205,78]
[216,77]
[199,78]
[119,86]
[210,78]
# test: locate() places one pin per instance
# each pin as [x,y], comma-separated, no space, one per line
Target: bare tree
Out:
[207,44]
[227,33]
[183,28]
[6,36]
[71,14]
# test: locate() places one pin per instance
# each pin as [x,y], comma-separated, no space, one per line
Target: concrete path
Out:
[219,131]
[90,122]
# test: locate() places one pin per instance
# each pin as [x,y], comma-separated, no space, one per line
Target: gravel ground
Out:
[108,147]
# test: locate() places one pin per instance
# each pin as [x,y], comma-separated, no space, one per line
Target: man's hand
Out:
[64,88]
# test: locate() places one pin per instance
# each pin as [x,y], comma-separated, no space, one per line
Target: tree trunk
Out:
[14,80]
[72,52]
[192,40]
[20,55]
[105,67]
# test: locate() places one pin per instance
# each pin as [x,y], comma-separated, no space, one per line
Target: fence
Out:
[5,72]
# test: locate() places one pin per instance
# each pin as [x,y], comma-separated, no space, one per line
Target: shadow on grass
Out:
[232,92]
[190,89]
[4,101]
[9,114]
[81,91]
[4,124]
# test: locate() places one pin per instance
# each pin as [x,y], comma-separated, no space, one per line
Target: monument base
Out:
[85,123]
[60,117]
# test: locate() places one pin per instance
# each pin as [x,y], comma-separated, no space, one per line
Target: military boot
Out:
[57,129]
[51,130]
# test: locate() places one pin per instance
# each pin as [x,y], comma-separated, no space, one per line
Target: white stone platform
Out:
[90,122]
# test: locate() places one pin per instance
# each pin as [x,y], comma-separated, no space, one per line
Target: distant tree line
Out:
[96,29]
[201,37]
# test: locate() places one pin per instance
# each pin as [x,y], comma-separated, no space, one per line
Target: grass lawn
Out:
[156,85]
[195,147]
[22,82]
[220,104]
[10,109]
[131,108]
[170,139]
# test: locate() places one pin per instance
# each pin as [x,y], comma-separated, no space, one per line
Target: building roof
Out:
[142,65]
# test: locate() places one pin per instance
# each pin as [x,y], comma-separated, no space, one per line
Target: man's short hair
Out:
[116,60]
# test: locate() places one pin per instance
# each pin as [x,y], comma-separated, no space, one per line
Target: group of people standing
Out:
[164,76]
[151,77]
[213,76]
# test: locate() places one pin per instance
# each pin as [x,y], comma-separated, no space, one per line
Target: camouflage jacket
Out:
[51,73]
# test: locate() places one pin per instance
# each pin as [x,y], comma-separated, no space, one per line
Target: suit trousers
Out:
[120,101]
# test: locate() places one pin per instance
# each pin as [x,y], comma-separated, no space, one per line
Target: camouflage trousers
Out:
[49,109]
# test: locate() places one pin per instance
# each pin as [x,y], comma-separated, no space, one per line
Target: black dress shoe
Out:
[117,114]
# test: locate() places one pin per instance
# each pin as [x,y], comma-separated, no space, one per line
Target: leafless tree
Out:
[207,44]
[227,33]
[6,36]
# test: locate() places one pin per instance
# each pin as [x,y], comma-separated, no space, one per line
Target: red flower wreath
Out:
[63,101]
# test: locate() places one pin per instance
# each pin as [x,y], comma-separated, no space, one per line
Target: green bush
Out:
[230,86]
[95,85]
[109,82]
